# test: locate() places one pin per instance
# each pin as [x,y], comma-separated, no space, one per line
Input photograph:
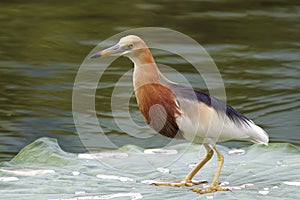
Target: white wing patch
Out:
[201,123]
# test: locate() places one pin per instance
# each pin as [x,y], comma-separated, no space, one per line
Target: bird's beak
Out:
[114,50]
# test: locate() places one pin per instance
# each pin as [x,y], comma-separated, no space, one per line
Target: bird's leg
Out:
[188,179]
[214,187]
[209,154]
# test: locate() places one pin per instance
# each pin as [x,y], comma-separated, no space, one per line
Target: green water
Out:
[255,45]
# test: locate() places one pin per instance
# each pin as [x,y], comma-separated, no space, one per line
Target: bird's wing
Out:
[205,117]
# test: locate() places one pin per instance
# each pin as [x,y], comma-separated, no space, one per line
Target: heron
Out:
[178,111]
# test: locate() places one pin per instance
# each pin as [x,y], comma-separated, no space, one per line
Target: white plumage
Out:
[208,126]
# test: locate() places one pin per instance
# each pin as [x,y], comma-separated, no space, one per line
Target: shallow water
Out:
[255,46]
[127,173]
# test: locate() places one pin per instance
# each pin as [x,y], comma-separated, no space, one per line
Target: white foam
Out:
[264,191]
[75,173]
[150,181]
[102,155]
[292,183]
[29,172]
[7,179]
[113,177]
[224,183]
[160,151]
[236,151]
[163,170]
[80,192]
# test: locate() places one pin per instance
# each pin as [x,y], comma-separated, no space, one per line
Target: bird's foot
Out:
[210,189]
[180,183]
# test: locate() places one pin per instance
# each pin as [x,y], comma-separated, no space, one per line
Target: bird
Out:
[178,111]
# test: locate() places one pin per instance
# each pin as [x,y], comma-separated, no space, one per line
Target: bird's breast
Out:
[158,106]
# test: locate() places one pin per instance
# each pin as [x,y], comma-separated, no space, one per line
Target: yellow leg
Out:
[209,154]
[214,187]
[188,179]
[220,164]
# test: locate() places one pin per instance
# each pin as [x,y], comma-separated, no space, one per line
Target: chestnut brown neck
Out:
[145,69]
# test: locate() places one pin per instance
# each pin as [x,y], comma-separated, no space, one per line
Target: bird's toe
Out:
[210,189]
[180,183]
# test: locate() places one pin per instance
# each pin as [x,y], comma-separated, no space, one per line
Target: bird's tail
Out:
[257,134]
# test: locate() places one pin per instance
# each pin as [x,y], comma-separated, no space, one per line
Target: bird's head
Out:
[126,46]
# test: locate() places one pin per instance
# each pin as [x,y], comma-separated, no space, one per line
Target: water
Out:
[130,171]
[254,44]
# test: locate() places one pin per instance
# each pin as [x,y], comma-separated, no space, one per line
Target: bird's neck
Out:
[145,69]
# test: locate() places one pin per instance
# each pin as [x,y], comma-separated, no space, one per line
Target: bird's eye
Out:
[129,46]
